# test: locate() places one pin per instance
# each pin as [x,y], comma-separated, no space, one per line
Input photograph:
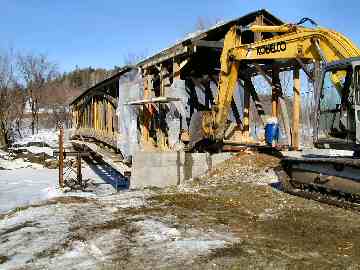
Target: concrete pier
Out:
[155,169]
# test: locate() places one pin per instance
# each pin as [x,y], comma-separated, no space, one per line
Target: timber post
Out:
[295,142]
[78,167]
[146,109]
[275,92]
[160,132]
[61,156]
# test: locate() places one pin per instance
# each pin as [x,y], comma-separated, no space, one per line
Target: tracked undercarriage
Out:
[332,180]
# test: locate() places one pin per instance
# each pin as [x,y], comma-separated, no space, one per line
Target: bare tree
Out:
[36,71]
[18,108]
[10,93]
[58,95]
[6,77]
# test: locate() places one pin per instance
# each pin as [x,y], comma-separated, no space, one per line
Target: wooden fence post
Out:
[61,157]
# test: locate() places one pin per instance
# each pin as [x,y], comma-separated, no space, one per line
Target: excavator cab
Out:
[337,106]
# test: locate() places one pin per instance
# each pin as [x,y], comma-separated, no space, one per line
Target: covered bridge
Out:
[153,106]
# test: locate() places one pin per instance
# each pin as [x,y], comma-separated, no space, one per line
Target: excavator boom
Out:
[337,103]
[296,42]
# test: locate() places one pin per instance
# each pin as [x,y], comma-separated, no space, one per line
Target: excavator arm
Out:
[296,42]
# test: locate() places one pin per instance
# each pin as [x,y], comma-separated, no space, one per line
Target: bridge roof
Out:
[103,83]
[215,33]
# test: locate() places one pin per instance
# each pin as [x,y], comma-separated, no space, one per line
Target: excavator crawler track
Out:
[308,191]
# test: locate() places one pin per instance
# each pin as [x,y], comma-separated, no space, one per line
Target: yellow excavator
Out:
[337,104]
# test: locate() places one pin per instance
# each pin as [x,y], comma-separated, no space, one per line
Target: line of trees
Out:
[33,91]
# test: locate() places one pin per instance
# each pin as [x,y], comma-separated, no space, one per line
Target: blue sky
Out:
[102,33]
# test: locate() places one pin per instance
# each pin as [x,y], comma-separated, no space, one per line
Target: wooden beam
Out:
[176,70]
[258,21]
[209,44]
[295,142]
[160,132]
[145,126]
[275,91]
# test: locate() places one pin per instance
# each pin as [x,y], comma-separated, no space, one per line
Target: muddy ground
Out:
[236,217]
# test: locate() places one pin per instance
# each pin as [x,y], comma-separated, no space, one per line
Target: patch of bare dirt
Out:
[232,218]
[57,200]
[276,230]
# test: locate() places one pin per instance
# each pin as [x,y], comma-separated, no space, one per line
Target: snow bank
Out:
[49,137]
[37,150]
[8,164]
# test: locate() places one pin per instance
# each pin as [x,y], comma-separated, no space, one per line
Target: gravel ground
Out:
[236,217]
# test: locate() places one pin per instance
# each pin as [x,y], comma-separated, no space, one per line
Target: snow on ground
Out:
[311,152]
[38,150]
[89,235]
[42,227]
[22,186]
[19,163]
[24,182]
[43,142]
[46,136]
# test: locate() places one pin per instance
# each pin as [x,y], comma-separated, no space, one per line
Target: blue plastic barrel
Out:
[271,133]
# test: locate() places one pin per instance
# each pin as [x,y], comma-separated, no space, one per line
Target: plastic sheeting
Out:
[130,89]
[191,103]
[173,123]
[178,90]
